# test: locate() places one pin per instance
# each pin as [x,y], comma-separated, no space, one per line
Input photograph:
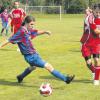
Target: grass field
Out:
[62,50]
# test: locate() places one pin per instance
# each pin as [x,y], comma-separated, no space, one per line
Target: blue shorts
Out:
[35,60]
[5,25]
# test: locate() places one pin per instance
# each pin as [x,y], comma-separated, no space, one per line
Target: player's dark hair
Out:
[96,6]
[28,19]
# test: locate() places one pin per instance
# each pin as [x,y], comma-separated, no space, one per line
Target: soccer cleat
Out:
[96,82]
[19,79]
[69,79]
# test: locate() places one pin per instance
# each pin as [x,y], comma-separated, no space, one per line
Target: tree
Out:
[74,6]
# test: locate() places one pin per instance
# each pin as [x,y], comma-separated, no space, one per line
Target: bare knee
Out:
[49,67]
[96,61]
[89,61]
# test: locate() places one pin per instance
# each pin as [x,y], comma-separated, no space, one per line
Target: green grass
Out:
[62,50]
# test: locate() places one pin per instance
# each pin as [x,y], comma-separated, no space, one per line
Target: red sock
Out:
[92,68]
[97,73]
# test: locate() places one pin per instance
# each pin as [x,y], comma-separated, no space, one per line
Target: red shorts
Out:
[89,49]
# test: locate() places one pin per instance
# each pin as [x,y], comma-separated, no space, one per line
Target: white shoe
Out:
[96,82]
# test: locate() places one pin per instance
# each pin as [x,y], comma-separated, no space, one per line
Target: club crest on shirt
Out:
[16,15]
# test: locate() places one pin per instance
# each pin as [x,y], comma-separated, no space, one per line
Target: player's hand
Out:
[48,32]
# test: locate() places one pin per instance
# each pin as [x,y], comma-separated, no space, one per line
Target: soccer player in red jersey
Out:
[91,40]
[85,40]
[17,15]
[96,27]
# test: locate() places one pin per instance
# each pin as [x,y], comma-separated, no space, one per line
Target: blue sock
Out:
[59,75]
[26,72]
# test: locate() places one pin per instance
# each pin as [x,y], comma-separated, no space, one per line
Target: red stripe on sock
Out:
[92,68]
[97,73]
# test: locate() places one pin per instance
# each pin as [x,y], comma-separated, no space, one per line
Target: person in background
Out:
[91,41]
[17,16]
[5,20]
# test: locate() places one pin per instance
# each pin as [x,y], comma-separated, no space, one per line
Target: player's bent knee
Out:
[32,68]
[89,61]
[49,67]
[96,61]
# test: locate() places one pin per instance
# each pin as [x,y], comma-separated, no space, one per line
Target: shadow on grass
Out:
[74,50]
[74,41]
[10,83]
[75,80]
[7,50]
[49,78]
[82,81]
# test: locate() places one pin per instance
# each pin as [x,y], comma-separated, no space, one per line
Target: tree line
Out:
[68,6]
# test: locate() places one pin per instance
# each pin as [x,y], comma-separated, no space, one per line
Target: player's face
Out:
[97,13]
[5,10]
[88,11]
[16,4]
[31,25]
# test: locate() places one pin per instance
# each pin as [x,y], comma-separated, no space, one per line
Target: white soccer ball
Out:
[45,89]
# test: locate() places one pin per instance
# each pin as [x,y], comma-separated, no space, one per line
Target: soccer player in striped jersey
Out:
[23,39]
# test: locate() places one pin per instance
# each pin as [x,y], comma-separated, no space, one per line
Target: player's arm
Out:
[4,43]
[95,29]
[43,32]
[35,33]
[93,25]
[16,38]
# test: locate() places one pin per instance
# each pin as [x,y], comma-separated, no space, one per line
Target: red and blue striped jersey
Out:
[23,39]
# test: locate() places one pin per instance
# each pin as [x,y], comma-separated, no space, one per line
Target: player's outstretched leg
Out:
[57,74]
[2,31]
[6,32]
[26,72]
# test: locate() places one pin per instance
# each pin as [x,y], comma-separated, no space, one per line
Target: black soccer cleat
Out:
[19,78]
[69,79]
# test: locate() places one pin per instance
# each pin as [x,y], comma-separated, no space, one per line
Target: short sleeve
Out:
[17,37]
[91,22]
[34,33]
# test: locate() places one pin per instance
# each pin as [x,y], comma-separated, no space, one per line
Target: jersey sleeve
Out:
[23,12]
[16,38]
[34,33]
[92,23]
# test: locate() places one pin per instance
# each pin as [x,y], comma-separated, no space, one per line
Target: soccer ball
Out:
[45,89]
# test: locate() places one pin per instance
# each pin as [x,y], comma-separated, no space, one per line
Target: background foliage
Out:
[69,6]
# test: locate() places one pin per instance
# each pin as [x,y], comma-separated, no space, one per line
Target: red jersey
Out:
[93,26]
[17,16]
[87,30]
